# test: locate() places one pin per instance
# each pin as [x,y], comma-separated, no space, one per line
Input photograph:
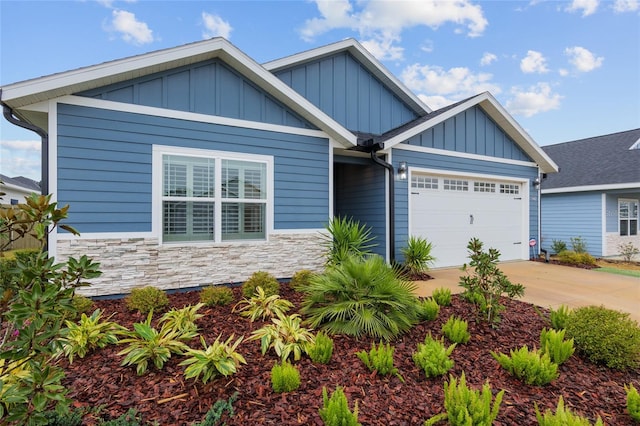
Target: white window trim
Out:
[628,200]
[156,223]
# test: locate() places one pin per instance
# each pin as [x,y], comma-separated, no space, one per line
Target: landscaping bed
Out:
[167,398]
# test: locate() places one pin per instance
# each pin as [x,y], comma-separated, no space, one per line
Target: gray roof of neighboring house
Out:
[21,181]
[600,160]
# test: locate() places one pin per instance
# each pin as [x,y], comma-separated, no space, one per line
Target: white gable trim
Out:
[609,187]
[457,154]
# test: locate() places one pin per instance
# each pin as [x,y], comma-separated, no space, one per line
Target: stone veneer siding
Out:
[613,241]
[127,263]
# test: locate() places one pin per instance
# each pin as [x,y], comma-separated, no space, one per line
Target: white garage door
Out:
[449,210]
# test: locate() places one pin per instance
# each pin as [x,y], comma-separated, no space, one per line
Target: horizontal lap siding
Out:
[573,215]
[105,165]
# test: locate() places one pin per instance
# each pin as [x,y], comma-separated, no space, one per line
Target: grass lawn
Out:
[613,270]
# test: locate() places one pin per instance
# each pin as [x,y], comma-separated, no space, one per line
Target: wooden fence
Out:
[26,242]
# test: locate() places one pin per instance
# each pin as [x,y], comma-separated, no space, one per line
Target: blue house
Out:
[596,194]
[196,165]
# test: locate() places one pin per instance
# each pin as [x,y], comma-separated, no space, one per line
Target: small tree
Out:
[485,283]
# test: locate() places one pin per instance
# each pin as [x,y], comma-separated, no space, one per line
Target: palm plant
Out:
[417,255]
[361,297]
[347,238]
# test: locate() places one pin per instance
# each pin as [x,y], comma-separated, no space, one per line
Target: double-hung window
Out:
[213,198]
[628,217]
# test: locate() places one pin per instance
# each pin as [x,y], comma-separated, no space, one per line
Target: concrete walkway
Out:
[550,286]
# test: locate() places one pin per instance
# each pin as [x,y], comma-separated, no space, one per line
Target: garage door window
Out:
[455,185]
[424,182]
[507,188]
[628,215]
[484,187]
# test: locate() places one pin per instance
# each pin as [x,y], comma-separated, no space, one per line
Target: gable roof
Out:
[21,94]
[368,61]
[601,162]
[20,183]
[493,109]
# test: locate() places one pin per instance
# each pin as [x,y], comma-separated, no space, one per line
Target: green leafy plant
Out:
[428,309]
[456,330]
[442,296]
[262,306]
[465,406]
[605,336]
[82,304]
[322,349]
[562,417]
[335,409]
[285,377]
[558,246]
[578,244]
[301,279]
[147,299]
[417,255]
[215,414]
[88,334]
[361,297]
[559,317]
[633,402]
[486,283]
[147,344]
[217,359]
[268,282]
[433,357]
[380,360]
[552,343]
[182,320]
[346,238]
[286,336]
[533,367]
[67,418]
[216,296]
[130,418]
[576,258]
[628,251]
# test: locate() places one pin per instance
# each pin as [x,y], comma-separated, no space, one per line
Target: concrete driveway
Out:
[550,286]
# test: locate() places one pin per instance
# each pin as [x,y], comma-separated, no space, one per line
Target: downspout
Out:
[392,216]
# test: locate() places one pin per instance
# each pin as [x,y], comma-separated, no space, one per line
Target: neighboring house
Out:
[595,195]
[196,165]
[16,188]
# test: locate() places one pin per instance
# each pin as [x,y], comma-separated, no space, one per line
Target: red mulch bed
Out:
[167,398]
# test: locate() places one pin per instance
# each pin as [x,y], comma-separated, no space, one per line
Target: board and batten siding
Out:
[566,216]
[342,88]
[473,132]
[210,87]
[104,167]
[453,164]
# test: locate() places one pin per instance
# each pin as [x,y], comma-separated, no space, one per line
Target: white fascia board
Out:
[365,57]
[498,114]
[586,188]
[57,85]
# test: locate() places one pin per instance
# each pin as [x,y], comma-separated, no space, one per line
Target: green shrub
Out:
[182,320]
[456,330]
[301,279]
[466,406]
[69,418]
[533,367]
[442,296]
[268,282]
[633,402]
[428,309]
[130,418]
[285,336]
[82,304]
[218,295]
[562,417]
[346,238]
[558,246]
[559,317]
[361,297]
[605,336]
[433,357]
[574,258]
[417,255]
[380,359]
[628,251]
[215,413]
[147,299]
[578,244]
[217,359]
[262,306]
[88,334]
[552,343]
[485,283]
[322,349]
[335,409]
[284,377]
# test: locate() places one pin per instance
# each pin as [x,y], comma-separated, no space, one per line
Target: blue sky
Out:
[564,70]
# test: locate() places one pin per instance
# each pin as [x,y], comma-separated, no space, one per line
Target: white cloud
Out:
[582,59]
[532,101]
[381,23]
[534,62]
[563,72]
[20,158]
[488,58]
[439,87]
[588,7]
[215,26]
[383,48]
[131,30]
[622,6]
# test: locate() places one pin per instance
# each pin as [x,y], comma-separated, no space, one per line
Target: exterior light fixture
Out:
[536,182]
[402,171]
